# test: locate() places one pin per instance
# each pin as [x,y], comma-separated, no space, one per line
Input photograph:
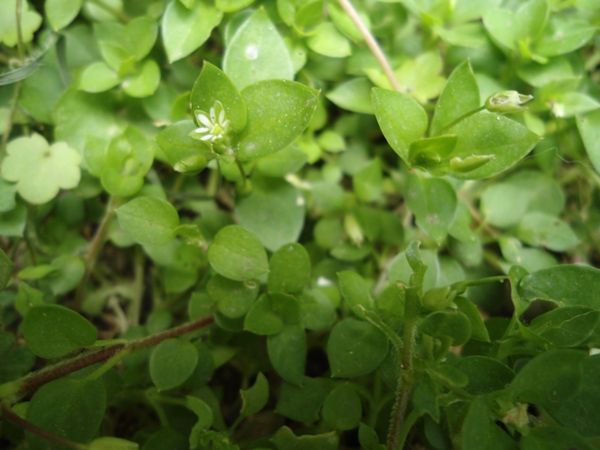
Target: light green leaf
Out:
[327,41]
[589,129]
[355,291]
[172,362]
[368,182]
[144,83]
[233,298]
[353,95]
[563,35]
[61,13]
[401,119]
[278,112]
[257,52]
[571,104]
[460,96]
[179,147]
[274,211]
[184,30]
[41,170]
[544,230]
[52,331]
[98,77]
[148,220]
[30,22]
[433,201]
[238,254]
[140,35]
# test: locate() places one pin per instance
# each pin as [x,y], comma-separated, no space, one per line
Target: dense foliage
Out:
[240,224]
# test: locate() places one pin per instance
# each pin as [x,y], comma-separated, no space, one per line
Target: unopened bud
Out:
[191,165]
[470,163]
[507,102]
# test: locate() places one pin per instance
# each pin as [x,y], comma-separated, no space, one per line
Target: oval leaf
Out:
[148,220]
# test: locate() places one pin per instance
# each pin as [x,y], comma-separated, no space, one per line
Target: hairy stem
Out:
[13,418]
[405,383]
[13,390]
[371,43]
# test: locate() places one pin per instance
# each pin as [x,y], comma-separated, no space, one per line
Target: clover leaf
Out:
[41,170]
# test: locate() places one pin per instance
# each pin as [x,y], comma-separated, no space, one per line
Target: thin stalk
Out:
[14,389]
[20,43]
[11,116]
[460,119]
[407,426]
[135,306]
[241,169]
[94,250]
[10,415]
[405,383]
[371,43]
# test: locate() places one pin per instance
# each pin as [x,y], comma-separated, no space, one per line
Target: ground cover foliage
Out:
[239,224]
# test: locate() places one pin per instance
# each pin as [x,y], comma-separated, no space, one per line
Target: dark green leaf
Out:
[148,220]
[289,269]
[302,403]
[172,362]
[233,298]
[52,331]
[285,439]
[452,324]
[6,268]
[342,409]
[479,431]
[238,254]
[355,291]
[485,374]
[255,398]
[567,326]
[287,352]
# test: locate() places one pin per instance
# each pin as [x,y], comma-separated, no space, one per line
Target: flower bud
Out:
[470,163]
[507,102]
[191,165]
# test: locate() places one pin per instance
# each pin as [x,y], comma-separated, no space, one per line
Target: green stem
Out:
[241,168]
[371,43]
[14,102]
[460,119]
[94,250]
[405,383]
[407,426]
[13,418]
[20,44]
[135,306]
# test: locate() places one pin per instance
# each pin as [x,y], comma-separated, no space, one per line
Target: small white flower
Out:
[214,125]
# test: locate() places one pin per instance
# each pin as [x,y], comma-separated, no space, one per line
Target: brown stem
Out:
[36,379]
[9,415]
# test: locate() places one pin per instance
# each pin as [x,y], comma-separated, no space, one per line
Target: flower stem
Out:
[460,119]
[405,383]
[20,43]
[371,43]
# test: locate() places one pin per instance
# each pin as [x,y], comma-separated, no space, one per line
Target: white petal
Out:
[213,114]
[207,137]
[204,120]
[222,116]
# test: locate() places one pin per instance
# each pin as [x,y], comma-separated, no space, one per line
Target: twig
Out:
[371,43]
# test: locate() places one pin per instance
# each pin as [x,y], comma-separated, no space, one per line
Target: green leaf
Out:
[567,326]
[589,129]
[460,96]
[367,436]
[172,362]
[302,403]
[504,204]
[112,443]
[478,330]
[287,352]
[238,254]
[98,77]
[78,114]
[355,291]
[353,95]
[401,118]
[571,104]
[274,211]
[578,413]
[368,182]
[342,408]
[433,201]
[316,310]
[285,439]
[257,52]
[543,230]
[480,431]
[145,82]
[289,160]
[41,170]
[278,112]
[485,374]
[452,324]
[553,438]
[213,85]
[326,40]
[204,413]
[148,220]
[566,285]
[140,35]
[6,268]
[233,298]
[61,13]
[68,408]
[355,348]
[490,134]
[30,22]
[184,30]
[179,147]
[549,378]
[270,312]
[69,272]
[232,5]
[52,331]
[255,398]
[289,269]
[563,35]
